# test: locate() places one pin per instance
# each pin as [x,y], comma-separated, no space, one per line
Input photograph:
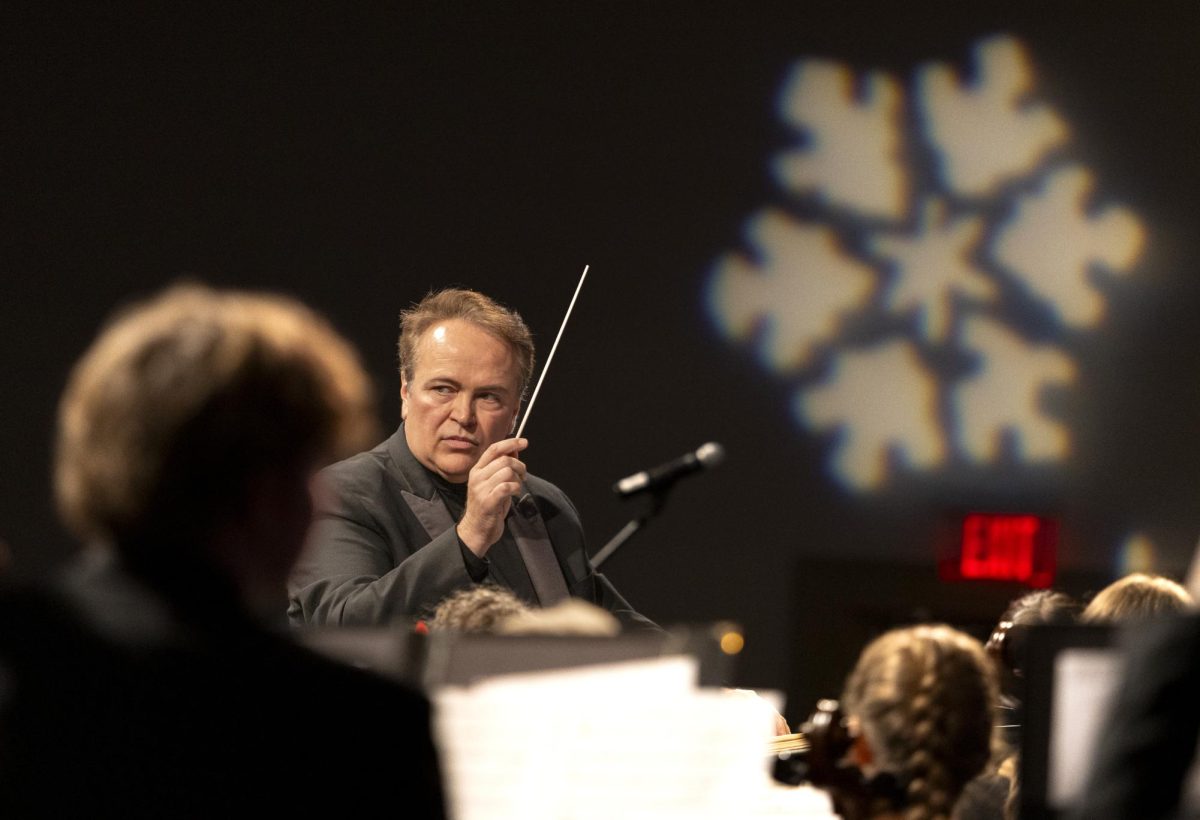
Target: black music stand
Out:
[460,659]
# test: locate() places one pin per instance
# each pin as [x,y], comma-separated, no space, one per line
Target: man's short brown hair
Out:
[472,306]
[185,398]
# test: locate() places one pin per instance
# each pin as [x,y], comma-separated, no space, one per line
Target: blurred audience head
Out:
[570,617]
[1038,608]
[478,608]
[191,427]
[921,700]
[1137,597]
[487,608]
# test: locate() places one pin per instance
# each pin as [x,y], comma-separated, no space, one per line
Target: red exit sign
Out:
[1006,547]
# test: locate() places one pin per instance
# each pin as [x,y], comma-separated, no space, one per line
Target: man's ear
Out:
[403,397]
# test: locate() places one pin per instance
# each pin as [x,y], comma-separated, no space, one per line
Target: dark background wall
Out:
[356,157]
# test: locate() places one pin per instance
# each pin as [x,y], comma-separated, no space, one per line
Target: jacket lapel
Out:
[529,531]
[431,512]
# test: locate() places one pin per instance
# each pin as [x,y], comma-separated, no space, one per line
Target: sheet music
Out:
[631,740]
[1085,681]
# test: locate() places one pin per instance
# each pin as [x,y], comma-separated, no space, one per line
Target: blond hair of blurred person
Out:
[1136,597]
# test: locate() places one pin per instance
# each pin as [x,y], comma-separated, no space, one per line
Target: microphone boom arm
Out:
[658,496]
[656,483]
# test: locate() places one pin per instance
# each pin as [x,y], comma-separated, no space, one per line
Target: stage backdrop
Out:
[903,261]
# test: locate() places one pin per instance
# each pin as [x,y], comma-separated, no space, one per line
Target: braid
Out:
[931,787]
[923,697]
[919,770]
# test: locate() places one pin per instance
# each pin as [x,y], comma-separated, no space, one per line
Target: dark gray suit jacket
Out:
[385,547]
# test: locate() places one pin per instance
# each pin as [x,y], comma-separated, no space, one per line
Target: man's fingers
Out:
[502,494]
[494,480]
[504,447]
[503,469]
[491,495]
[497,500]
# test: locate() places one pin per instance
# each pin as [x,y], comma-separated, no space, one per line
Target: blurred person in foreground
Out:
[919,707]
[446,502]
[151,679]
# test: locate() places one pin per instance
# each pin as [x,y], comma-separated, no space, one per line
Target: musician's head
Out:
[573,616]
[465,363]
[920,701]
[1006,643]
[478,608]
[1136,597]
[190,428]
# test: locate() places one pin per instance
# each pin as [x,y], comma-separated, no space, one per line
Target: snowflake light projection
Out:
[876,270]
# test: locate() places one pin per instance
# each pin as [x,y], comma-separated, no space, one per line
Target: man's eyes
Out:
[446,390]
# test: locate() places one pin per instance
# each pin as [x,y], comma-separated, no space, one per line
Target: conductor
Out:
[446,501]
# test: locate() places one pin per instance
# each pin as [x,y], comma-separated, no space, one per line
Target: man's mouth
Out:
[460,440]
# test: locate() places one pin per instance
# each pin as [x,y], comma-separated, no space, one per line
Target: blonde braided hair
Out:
[923,697]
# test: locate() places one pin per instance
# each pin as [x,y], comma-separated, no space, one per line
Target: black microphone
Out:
[706,456]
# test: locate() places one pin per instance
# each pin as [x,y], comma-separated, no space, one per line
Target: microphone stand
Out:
[658,497]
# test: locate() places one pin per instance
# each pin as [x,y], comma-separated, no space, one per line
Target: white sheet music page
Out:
[633,740]
[1085,681]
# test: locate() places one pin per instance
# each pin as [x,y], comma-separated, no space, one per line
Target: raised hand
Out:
[492,483]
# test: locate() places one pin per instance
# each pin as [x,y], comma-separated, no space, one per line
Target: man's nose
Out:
[463,411]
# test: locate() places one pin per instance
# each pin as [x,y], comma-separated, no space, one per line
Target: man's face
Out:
[463,397]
